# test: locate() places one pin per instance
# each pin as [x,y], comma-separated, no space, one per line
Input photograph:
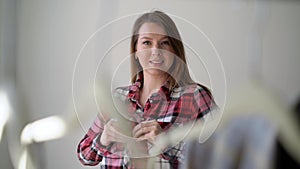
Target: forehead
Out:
[149,28]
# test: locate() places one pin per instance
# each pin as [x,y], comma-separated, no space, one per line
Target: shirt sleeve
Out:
[90,151]
[203,102]
[199,105]
[174,154]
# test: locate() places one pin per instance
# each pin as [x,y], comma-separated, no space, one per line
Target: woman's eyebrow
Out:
[147,37]
[165,38]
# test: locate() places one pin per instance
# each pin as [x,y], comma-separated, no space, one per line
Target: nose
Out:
[156,51]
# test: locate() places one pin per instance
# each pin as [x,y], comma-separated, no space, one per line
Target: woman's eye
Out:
[165,43]
[146,42]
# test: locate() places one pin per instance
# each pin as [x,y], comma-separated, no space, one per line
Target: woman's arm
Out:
[90,151]
[198,104]
[101,140]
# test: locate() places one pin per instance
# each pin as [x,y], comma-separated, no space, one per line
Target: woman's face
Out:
[153,49]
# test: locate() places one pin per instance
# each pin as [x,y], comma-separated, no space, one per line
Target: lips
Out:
[156,62]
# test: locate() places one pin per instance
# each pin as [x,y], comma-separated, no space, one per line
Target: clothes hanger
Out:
[256,97]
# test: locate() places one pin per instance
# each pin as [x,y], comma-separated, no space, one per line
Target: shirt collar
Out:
[134,89]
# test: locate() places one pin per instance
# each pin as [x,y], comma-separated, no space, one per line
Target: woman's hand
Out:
[147,130]
[111,133]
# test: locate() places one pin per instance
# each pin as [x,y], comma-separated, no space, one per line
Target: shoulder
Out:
[192,89]
[121,92]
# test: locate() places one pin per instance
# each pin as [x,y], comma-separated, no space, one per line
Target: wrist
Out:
[102,141]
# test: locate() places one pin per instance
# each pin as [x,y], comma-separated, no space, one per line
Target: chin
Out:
[155,71]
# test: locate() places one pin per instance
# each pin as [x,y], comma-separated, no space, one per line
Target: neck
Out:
[152,83]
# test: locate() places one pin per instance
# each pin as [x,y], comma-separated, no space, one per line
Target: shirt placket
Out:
[143,112]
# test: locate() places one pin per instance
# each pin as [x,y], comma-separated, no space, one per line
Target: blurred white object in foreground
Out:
[4,111]
[43,130]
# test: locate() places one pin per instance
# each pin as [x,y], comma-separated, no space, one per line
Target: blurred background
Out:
[48,63]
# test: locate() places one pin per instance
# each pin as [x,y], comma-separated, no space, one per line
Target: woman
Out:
[162,95]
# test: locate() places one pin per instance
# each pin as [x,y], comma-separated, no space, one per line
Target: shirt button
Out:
[154,94]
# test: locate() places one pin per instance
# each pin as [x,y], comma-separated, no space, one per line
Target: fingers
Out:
[111,134]
[143,124]
[143,130]
[146,130]
[113,129]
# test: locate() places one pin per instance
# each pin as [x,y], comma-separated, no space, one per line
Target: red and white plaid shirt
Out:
[169,108]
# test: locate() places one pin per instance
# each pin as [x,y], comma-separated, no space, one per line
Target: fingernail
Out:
[114,120]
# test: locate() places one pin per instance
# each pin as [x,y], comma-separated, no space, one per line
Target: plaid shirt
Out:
[169,108]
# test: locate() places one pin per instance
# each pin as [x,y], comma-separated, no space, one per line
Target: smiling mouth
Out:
[156,62]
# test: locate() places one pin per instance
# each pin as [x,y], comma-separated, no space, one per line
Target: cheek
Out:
[169,57]
[143,53]
[142,56]
[170,62]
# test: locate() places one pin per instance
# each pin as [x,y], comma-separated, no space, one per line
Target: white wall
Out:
[51,33]
[50,36]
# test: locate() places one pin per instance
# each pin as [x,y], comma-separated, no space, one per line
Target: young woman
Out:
[162,95]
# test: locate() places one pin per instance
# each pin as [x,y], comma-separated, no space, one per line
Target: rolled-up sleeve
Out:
[89,150]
